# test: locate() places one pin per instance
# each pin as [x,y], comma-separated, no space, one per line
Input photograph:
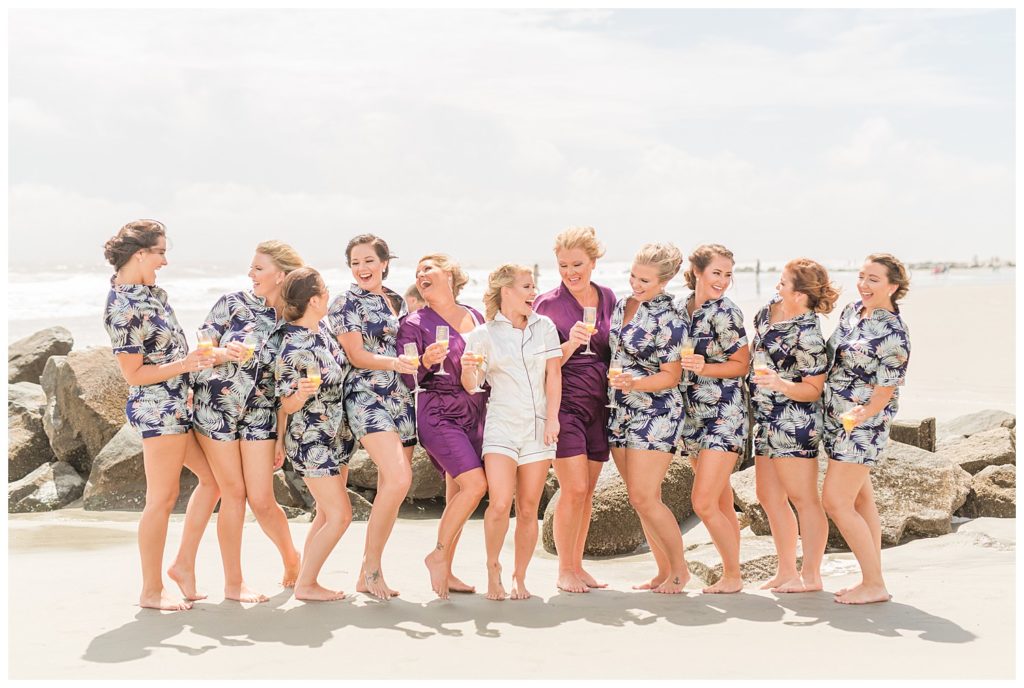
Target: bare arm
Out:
[352,343]
[137,373]
[553,390]
[736,366]
[808,389]
[668,376]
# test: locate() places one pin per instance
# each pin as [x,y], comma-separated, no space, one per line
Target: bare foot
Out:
[291,570]
[651,584]
[162,600]
[373,584]
[242,593]
[811,583]
[186,580]
[795,584]
[588,580]
[779,579]
[570,582]
[495,590]
[455,584]
[317,593]
[519,591]
[725,586]
[673,585]
[437,566]
[865,594]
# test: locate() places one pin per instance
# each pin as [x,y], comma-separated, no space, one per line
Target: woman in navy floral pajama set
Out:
[153,355]
[868,354]
[786,402]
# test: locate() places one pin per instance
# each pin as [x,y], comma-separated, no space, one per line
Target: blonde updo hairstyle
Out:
[504,276]
[580,237]
[445,264]
[133,237]
[284,257]
[701,258]
[666,258]
[896,272]
[298,288]
[811,279]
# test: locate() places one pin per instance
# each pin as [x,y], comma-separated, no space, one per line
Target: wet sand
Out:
[73,577]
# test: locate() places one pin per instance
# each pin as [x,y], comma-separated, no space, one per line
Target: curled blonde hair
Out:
[445,263]
[896,272]
[665,257]
[580,237]
[811,278]
[701,258]
[284,256]
[504,276]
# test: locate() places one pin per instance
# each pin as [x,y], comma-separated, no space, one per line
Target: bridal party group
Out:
[286,371]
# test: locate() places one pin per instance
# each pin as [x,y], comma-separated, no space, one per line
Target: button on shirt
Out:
[516,365]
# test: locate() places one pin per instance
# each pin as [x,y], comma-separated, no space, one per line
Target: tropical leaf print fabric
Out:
[317,440]
[647,420]
[784,427]
[716,409]
[237,400]
[375,400]
[140,320]
[863,353]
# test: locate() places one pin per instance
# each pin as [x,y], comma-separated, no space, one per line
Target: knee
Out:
[498,507]
[806,504]
[642,502]
[335,516]
[834,504]
[527,510]
[161,502]
[704,504]
[262,506]
[474,488]
[573,493]
[232,494]
[398,480]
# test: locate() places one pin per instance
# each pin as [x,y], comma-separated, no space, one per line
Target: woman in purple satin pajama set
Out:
[450,420]
[583,415]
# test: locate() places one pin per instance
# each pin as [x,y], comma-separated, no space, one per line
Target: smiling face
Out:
[433,282]
[643,280]
[575,267]
[518,299]
[874,286]
[367,268]
[265,275]
[713,280]
[790,296]
[151,259]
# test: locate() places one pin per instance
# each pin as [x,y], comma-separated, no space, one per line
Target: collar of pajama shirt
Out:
[873,349]
[516,361]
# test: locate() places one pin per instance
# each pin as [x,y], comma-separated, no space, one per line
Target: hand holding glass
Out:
[411,352]
[441,337]
[590,321]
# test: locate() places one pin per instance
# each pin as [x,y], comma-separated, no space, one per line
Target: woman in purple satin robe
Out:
[583,415]
[450,420]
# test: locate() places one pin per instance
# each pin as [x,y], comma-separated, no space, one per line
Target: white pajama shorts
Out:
[521,439]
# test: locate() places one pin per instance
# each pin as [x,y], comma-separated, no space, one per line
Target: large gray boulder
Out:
[362,471]
[744,496]
[973,423]
[360,507]
[117,481]
[28,447]
[50,486]
[917,433]
[993,493]
[285,492]
[85,400]
[758,560]
[27,357]
[614,526]
[427,481]
[993,447]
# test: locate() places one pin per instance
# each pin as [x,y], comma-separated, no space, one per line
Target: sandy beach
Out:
[74,574]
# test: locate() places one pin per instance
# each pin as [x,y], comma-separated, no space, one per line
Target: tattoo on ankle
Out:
[440,547]
[676,580]
[372,576]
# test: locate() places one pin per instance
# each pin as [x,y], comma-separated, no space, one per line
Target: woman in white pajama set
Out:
[522,365]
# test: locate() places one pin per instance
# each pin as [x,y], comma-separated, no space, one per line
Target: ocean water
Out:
[75,298]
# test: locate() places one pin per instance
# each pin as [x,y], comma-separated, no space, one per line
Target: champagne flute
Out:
[590,321]
[761,366]
[205,338]
[410,351]
[616,368]
[441,337]
[849,421]
[686,349]
[313,375]
[250,347]
[476,350]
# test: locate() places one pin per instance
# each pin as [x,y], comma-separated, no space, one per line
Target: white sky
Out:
[826,133]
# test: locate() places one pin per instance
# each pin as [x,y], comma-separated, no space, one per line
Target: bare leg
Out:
[799,478]
[226,463]
[197,515]
[472,487]
[333,516]
[772,496]
[843,484]
[456,584]
[647,470]
[710,489]
[163,458]
[660,558]
[573,481]
[501,486]
[594,470]
[394,476]
[258,473]
[530,480]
